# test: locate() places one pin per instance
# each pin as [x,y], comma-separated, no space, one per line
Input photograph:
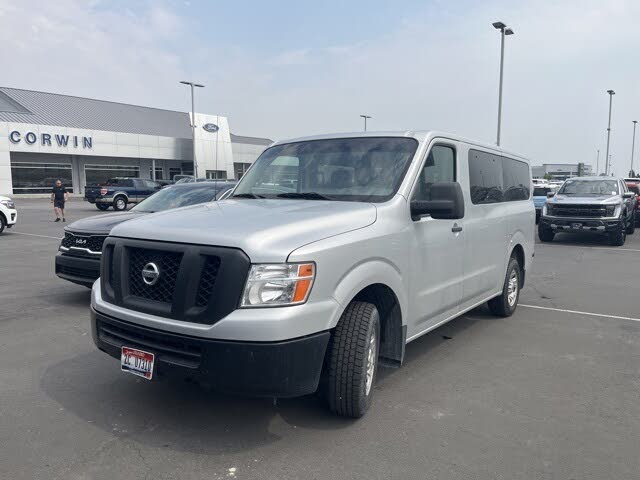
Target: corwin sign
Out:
[47,140]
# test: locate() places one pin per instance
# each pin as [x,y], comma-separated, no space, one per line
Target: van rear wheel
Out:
[506,303]
[352,360]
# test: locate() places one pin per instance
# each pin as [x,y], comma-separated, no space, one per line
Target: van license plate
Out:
[137,362]
[576,226]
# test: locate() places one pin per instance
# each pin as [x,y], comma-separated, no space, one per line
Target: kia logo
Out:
[211,127]
[81,241]
[150,274]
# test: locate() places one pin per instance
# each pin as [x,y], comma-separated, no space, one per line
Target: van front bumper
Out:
[288,368]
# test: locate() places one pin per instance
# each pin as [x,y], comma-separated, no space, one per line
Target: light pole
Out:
[193,124]
[504,30]
[606,158]
[597,162]
[633,146]
[365,121]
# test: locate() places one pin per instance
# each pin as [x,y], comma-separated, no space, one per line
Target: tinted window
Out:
[541,191]
[439,167]
[516,180]
[634,188]
[485,177]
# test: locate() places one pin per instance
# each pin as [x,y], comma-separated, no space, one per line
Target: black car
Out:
[80,251]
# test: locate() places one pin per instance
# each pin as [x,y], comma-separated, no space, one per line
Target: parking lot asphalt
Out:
[545,394]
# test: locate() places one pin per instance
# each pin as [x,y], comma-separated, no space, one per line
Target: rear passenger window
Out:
[485,177]
[440,166]
[516,179]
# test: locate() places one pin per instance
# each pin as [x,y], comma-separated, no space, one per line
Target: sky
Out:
[282,69]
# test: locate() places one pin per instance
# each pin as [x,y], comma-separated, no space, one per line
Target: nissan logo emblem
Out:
[150,273]
[210,127]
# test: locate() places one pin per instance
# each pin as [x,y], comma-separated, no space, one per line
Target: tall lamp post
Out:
[606,158]
[504,30]
[193,124]
[365,121]
[597,162]
[633,146]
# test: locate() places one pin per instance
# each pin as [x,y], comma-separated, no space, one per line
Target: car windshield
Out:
[350,169]
[175,197]
[541,191]
[589,187]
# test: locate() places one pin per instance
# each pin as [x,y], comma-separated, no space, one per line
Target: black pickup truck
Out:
[119,192]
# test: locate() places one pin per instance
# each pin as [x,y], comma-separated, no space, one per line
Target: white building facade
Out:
[46,136]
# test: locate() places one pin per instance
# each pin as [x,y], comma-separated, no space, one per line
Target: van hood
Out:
[586,200]
[267,230]
[102,223]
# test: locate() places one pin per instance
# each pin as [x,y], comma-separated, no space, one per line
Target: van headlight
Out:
[277,285]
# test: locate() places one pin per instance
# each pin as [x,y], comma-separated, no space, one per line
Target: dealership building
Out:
[47,136]
[561,171]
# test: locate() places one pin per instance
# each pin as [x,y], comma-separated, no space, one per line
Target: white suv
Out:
[8,213]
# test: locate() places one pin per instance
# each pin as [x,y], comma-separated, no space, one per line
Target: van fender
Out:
[366,273]
[517,238]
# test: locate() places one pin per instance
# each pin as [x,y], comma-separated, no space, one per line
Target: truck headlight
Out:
[547,209]
[278,284]
[611,210]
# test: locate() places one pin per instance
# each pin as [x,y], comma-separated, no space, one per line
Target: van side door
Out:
[437,248]
[485,227]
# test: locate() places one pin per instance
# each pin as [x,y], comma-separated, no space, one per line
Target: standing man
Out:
[59,195]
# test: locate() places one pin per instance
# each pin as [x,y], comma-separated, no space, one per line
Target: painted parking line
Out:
[611,249]
[34,235]
[577,312]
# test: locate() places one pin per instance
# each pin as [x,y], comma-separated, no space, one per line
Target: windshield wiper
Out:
[246,195]
[304,195]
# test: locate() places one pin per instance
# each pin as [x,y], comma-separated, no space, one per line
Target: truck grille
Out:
[83,242]
[579,211]
[195,283]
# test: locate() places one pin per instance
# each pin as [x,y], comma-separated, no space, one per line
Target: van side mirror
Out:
[447,202]
[551,194]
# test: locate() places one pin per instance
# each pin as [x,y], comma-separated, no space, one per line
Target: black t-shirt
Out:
[58,192]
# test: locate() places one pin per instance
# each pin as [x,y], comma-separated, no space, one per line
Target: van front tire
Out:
[506,303]
[352,360]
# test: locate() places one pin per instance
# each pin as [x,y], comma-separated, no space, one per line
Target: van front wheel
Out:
[505,304]
[352,360]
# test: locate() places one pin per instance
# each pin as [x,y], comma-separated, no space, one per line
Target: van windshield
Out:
[353,169]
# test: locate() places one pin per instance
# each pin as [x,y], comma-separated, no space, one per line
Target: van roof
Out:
[420,135]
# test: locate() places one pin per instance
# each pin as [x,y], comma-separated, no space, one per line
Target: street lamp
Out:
[193,124]
[504,30]
[633,147]
[597,162]
[607,162]
[365,121]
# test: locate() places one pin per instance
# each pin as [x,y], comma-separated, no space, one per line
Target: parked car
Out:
[540,193]
[279,290]
[8,213]
[633,184]
[80,251]
[119,192]
[590,204]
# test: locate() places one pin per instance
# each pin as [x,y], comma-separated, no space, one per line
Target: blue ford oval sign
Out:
[210,127]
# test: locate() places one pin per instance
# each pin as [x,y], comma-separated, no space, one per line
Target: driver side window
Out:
[440,166]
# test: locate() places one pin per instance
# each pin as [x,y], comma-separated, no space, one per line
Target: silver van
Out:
[331,254]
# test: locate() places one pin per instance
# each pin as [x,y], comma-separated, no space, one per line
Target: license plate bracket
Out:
[576,226]
[137,362]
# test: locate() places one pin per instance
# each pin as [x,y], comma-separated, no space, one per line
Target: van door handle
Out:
[456,228]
